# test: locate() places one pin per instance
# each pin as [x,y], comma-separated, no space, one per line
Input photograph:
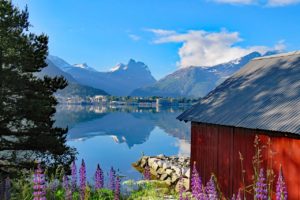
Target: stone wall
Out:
[167,168]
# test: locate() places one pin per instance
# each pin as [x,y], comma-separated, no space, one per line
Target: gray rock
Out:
[143,163]
[166,165]
[187,173]
[174,178]
[177,170]
[164,177]
[161,156]
[151,161]
[168,181]
[185,182]
[169,171]
[153,172]
[154,166]
[161,171]
[160,163]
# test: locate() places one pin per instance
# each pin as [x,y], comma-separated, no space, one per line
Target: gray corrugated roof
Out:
[265,94]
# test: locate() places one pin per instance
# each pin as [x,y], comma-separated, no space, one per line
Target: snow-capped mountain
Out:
[194,81]
[84,66]
[121,80]
[73,88]
[60,63]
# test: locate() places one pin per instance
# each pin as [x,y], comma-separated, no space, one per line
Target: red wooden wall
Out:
[216,150]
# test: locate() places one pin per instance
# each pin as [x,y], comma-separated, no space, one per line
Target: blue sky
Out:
[165,34]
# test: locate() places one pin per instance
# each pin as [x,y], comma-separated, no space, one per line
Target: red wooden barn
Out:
[263,98]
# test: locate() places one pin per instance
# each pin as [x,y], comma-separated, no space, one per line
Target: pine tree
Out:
[27,103]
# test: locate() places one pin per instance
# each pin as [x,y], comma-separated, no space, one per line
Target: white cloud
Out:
[270,3]
[134,37]
[202,48]
[161,32]
[282,2]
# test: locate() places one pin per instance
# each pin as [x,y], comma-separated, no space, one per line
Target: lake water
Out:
[119,136]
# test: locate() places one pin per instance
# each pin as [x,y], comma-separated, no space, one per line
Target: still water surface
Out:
[119,136]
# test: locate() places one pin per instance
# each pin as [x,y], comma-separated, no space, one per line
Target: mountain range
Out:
[194,81]
[135,78]
[121,80]
[74,88]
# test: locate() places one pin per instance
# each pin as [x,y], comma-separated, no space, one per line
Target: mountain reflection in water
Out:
[118,136]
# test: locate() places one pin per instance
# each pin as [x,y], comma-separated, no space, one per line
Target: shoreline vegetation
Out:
[41,184]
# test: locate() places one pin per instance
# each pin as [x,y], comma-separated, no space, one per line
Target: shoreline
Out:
[166,168]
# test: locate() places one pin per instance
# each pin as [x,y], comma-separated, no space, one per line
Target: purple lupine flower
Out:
[39,186]
[117,188]
[261,191]
[238,196]
[196,183]
[54,185]
[68,195]
[65,182]
[210,188]
[74,176]
[2,189]
[147,174]
[66,186]
[7,188]
[181,188]
[281,191]
[233,197]
[112,177]
[82,175]
[99,178]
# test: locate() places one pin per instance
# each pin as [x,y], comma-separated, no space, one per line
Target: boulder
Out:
[143,162]
[174,178]
[151,161]
[160,171]
[160,163]
[169,171]
[168,181]
[177,170]
[185,182]
[153,172]
[161,156]
[187,173]
[166,165]
[164,177]
[154,166]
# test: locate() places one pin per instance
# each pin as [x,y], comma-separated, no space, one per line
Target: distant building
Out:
[263,99]
[166,102]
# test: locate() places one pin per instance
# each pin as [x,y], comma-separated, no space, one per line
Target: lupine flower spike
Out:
[39,184]
[112,177]
[196,184]
[66,186]
[65,182]
[233,197]
[7,188]
[117,188]
[99,179]
[181,188]
[281,191]
[211,190]
[261,191]
[82,174]
[147,174]
[74,176]
[238,196]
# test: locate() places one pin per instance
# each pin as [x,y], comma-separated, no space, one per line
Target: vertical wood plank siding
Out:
[215,149]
